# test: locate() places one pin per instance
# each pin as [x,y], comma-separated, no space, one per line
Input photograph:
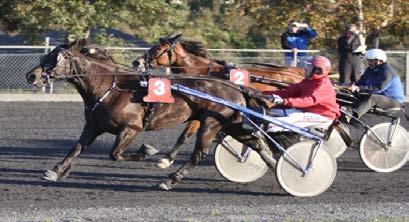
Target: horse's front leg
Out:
[207,132]
[190,129]
[61,170]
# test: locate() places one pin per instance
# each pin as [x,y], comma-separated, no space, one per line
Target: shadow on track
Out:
[135,188]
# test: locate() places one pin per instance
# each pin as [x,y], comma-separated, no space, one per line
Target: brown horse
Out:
[191,58]
[122,112]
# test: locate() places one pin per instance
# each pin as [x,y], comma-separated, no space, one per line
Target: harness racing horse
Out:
[122,112]
[191,58]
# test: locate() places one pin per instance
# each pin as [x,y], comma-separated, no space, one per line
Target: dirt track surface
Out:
[35,136]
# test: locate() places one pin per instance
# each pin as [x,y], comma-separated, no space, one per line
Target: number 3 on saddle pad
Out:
[240,77]
[159,91]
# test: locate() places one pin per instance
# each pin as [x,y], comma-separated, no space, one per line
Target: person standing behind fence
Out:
[351,46]
[296,38]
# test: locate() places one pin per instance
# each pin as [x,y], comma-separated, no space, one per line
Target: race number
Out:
[240,77]
[159,91]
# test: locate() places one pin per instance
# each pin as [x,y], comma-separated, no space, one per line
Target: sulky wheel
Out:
[228,162]
[381,159]
[335,145]
[316,180]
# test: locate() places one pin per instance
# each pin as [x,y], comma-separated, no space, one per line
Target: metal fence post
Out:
[50,85]
[407,74]
[47,44]
[295,58]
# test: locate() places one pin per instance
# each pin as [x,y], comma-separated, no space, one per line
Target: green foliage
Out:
[217,23]
[105,39]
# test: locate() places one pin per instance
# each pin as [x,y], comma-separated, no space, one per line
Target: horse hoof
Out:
[50,176]
[148,149]
[164,163]
[164,186]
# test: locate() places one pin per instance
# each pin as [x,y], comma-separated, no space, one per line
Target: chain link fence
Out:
[16,62]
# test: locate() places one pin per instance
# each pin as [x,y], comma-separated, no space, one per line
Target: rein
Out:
[73,73]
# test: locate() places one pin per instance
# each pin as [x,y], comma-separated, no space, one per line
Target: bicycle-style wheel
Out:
[378,158]
[316,180]
[335,145]
[228,162]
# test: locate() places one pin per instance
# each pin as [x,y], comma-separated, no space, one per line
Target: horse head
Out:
[62,61]
[160,54]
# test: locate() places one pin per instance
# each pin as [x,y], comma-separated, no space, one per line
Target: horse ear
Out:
[174,38]
[178,35]
[163,40]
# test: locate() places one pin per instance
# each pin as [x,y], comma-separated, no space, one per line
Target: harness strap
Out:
[209,67]
[114,86]
[152,107]
[103,97]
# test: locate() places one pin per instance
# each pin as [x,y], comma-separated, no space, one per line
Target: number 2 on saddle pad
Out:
[240,77]
[159,91]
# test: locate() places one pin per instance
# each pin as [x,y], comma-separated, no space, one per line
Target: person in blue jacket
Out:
[296,38]
[380,85]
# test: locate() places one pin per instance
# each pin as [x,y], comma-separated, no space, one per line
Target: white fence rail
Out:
[15,61]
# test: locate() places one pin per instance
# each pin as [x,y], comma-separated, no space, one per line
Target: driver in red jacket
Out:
[311,102]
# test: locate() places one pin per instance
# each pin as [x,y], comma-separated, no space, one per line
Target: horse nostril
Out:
[135,64]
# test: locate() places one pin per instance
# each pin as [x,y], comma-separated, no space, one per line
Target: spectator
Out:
[296,38]
[351,46]
[380,83]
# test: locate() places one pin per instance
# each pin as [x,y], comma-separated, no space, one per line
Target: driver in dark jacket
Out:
[380,85]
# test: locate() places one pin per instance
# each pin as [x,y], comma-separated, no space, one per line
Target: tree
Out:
[217,23]
[76,17]
[328,18]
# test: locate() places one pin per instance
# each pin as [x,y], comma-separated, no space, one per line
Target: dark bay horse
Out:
[122,112]
[191,58]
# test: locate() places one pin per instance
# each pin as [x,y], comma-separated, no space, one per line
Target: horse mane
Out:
[265,64]
[195,48]
[198,49]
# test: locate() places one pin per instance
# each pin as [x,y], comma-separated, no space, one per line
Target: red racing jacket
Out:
[311,95]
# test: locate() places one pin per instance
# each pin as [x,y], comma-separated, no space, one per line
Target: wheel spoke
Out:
[385,155]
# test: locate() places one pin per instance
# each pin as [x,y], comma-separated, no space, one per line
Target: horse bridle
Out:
[169,51]
[47,73]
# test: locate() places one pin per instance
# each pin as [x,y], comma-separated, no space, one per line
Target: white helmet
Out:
[377,54]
